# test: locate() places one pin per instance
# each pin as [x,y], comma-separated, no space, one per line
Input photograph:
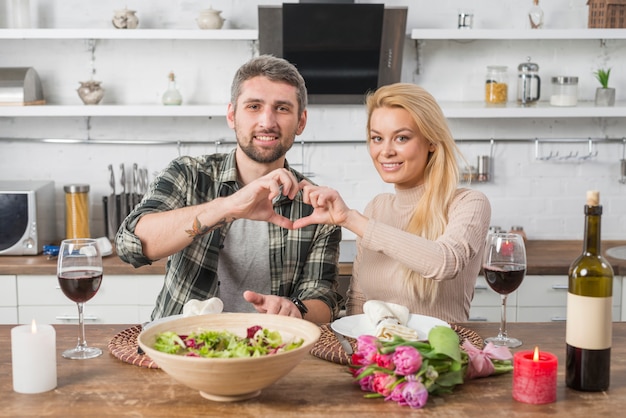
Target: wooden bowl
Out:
[231,379]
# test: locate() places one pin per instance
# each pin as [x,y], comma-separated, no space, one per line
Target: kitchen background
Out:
[544,195]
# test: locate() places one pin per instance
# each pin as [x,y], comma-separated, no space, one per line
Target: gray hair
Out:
[275,69]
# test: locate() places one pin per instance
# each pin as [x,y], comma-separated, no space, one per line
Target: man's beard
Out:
[263,155]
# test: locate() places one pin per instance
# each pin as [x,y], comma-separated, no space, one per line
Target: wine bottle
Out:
[589,320]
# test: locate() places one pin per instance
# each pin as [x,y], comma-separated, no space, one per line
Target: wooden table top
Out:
[544,258]
[106,386]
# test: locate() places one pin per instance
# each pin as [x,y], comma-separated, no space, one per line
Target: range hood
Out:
[342,50]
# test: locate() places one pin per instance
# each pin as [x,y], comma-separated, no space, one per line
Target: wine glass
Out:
[79,270]
[504,267]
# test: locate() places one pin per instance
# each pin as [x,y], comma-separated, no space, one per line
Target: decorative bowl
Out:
[231,379]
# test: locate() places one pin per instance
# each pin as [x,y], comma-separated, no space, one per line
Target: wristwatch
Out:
[300,305]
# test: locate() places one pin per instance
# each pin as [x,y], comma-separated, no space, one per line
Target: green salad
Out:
[258,342]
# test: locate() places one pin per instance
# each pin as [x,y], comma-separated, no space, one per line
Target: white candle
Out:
[33,353]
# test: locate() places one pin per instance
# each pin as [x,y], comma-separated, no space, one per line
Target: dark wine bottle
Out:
[589,318]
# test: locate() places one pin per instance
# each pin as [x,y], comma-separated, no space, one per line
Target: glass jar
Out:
[496,87]
[564,91]
[76,211]
[519,230]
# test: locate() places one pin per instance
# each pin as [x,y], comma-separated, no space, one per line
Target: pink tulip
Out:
[407,360]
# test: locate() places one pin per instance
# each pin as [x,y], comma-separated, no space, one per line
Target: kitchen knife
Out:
[134,193]
[112,206]
[344,342]
[123,197]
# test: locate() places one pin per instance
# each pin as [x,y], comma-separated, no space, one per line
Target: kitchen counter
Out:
[544,258]
[106,386]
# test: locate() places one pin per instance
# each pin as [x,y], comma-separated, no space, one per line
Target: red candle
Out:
[534,377]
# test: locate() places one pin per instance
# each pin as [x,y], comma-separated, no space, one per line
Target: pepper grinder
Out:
[483,168]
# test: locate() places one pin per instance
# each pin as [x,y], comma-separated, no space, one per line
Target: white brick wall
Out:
[545,197]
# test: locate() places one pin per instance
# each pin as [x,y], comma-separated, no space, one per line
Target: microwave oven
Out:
[27,216]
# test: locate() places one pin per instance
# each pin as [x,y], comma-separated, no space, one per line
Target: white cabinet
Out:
[544,299]
[538,299]
[486,305]
[122,299]
[623,297]
[8,299]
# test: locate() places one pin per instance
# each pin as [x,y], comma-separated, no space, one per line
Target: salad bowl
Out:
[231,379]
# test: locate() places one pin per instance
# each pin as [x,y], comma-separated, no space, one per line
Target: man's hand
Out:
[255,200]
[272,304]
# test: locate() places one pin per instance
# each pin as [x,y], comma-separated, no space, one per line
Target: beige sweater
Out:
[454,259]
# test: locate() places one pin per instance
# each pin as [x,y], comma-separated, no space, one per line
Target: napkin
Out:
[389,319]
[197,307]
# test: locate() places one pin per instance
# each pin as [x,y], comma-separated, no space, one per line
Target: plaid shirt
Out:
[303,262]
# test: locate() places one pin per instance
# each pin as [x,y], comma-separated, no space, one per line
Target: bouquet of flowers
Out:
[408,371]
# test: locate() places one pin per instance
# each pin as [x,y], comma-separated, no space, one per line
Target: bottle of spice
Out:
[496,87]
[494,229]
[77,211]
[516,229]
[172,96]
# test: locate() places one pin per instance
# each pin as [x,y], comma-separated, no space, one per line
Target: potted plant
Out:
[605,95]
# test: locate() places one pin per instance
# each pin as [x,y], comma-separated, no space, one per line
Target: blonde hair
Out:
[441,175]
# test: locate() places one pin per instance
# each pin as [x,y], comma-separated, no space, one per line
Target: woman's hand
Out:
[328,206]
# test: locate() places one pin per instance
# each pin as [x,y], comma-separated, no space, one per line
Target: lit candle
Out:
[33,354]
[534,377]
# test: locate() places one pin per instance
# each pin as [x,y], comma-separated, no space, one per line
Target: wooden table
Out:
[106,386]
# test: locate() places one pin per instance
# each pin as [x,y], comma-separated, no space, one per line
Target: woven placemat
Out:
[468,334]
[329,348]
[124,347]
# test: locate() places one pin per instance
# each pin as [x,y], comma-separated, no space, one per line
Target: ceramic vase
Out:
[125,19]
[90,92]
[210,19]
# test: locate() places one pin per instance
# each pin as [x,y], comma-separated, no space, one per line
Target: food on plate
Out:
[389,319]
[258,342]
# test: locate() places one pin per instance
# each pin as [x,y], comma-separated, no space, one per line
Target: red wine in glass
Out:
[79,273]
[504,279]
[504,267]
[80,286]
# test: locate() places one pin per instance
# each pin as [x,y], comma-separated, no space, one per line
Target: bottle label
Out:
[589,322]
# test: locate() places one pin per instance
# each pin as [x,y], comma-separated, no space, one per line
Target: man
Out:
[226,220]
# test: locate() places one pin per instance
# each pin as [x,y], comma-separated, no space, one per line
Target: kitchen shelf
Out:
[516,34]
[114,110]
[140,34]
[479,109]
[141,110]
[455,110]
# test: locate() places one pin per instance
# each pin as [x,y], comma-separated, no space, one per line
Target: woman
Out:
[422,246]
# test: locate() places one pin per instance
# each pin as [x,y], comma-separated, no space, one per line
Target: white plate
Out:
[355,325]
[617,252]
[160,320]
